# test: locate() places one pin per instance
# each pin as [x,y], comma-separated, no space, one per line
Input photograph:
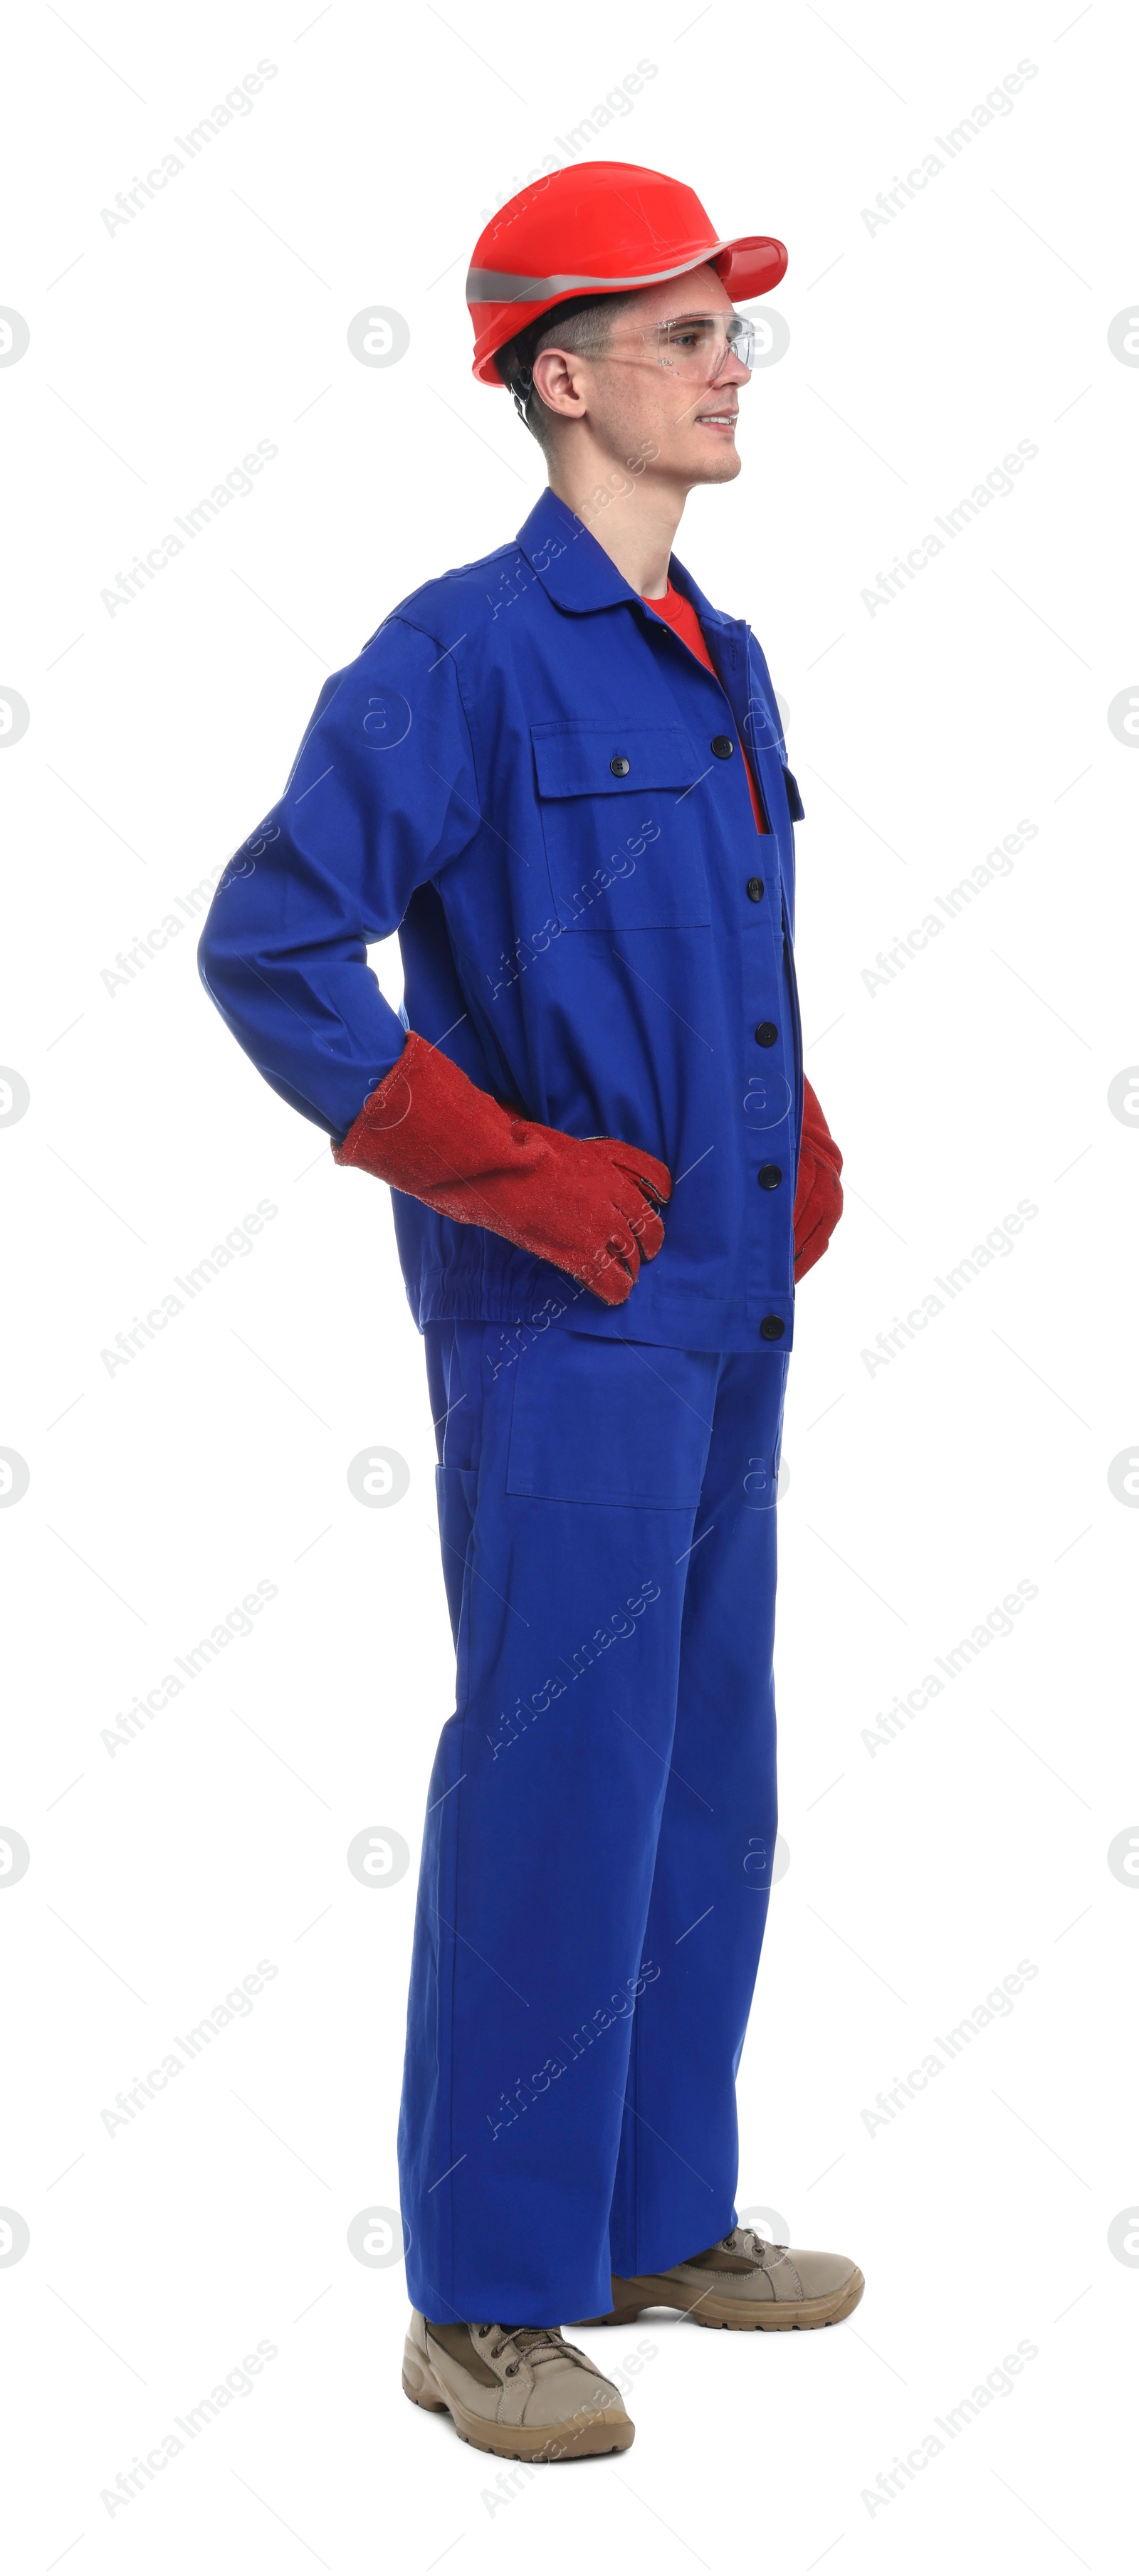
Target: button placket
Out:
[766,1033]
[769,1176]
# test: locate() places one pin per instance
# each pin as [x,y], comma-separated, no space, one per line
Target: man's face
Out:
[637,399]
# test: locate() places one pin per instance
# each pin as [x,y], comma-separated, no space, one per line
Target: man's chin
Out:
[717,462]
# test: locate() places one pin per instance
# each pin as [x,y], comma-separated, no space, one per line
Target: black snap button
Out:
[766,1033]
[723,746]
[619,765]
[755,889]
[772,1328]
[769,1176]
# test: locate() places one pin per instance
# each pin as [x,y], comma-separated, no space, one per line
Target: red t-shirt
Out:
[680,614]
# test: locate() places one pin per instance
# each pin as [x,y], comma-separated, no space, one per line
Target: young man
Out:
[559,774]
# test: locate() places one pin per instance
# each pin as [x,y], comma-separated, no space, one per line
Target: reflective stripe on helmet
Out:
[492,286]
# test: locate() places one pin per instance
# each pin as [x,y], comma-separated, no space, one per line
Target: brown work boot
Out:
[745,2282]
[522,2392]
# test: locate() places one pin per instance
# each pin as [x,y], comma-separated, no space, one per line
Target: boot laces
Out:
[535,2343]
[756,2244]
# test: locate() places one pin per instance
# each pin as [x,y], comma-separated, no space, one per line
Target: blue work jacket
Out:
[534,781]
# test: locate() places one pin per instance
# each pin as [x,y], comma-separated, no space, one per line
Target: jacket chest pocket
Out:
[621,822]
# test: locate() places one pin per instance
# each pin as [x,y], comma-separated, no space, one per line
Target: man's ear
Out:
[557,378]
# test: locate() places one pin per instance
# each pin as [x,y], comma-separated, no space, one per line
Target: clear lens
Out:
[696,345]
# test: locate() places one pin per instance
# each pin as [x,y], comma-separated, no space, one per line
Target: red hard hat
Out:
[602,228]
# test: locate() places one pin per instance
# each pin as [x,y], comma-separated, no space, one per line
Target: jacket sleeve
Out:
[382,795]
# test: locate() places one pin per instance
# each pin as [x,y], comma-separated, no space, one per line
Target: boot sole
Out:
[605,2429]
[745,2316]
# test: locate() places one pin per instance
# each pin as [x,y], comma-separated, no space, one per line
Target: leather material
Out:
[717,2259]
[530,2377]
[744,2266]
[460,2342]
[589,1205]
[818,1192]
[816,2274]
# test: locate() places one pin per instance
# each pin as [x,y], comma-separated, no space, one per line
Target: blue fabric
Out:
[579,940]
[601,1816]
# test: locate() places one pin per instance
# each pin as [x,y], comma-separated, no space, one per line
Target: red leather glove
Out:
[588,1205]
[818,1194]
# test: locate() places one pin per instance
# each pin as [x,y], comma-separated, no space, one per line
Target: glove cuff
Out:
[428,1130]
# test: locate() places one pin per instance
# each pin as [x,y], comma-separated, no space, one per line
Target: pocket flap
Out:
[609,1423]
[577,759]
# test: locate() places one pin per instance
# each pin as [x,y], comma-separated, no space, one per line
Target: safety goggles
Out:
[694,347]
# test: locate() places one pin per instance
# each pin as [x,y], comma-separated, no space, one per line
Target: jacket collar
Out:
[580,576]
[573,569]
[682,580]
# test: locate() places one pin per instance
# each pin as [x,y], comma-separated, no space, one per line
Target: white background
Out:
[920,1493]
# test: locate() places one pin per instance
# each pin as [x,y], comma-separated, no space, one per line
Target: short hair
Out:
[582,324]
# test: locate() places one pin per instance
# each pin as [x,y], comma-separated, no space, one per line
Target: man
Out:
[559,774]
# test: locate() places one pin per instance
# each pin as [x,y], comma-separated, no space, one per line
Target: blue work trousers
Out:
[601,1815]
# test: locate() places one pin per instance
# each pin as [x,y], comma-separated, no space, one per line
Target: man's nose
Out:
[731,371]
